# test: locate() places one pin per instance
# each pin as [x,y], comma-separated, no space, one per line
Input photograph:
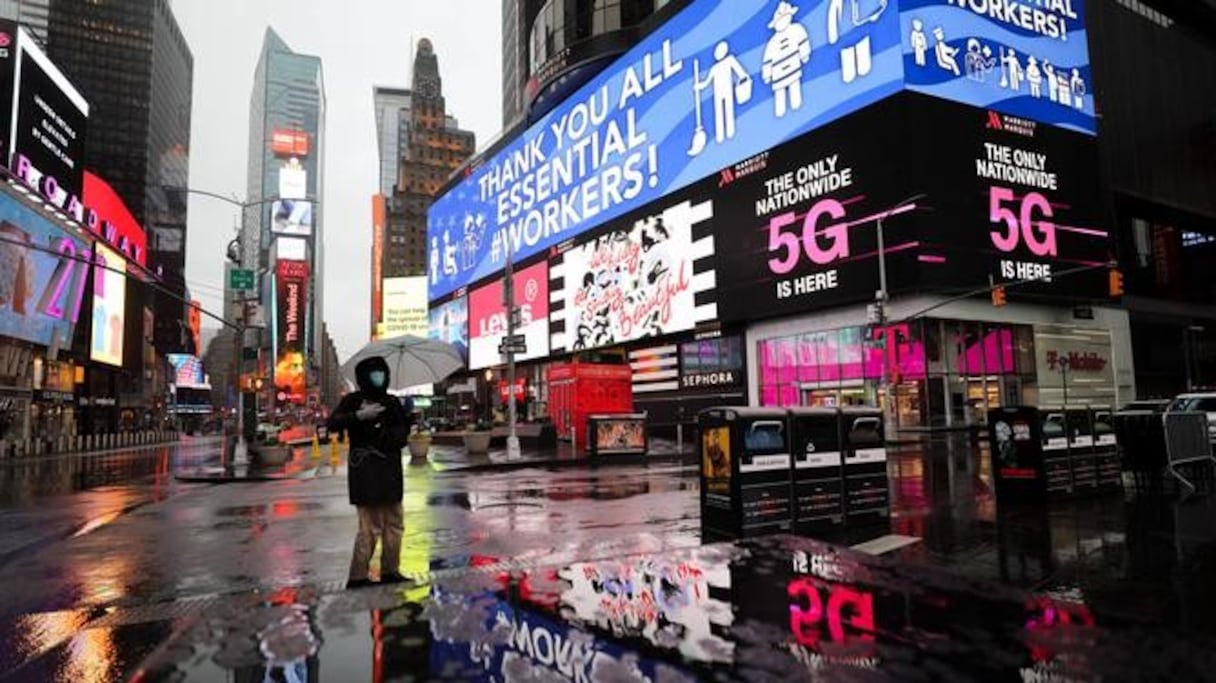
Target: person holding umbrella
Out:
[378,428]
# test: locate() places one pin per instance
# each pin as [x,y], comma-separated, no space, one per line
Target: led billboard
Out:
[450,323]
[488,317]
[107,217]
[291,217]
[1026,58]
[48,116]
[717,83]
[291,313]
[109,306]
[41,292]
[289,143]
[188,371]
[405,309]
[293,180]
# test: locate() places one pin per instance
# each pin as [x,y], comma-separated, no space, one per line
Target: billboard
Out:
[41,292]
[289,143]
[379,211]
[641,278]
[291,312]
[293,180]
[450,323]
[717,83]
[291,217]
[107,217]
[1029,195]
[188,371]
[48,117]
[109,307]
[1025,59]
[405,309]
[194,315]
[488,317]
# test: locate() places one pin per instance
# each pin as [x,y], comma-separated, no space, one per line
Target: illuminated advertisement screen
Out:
[195,318]
[50,119]
[450,323]
[115,225]
[1026,58]
[293,180]
[291,312]
[639,279]
[109,307]
[289,143]
[40,291]
[488,317]
[714,85]
[188,371]
[405,310]
[291,217]
[1029,196]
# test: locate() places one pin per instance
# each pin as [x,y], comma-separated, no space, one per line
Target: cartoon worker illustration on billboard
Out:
[730,85]
[784,56]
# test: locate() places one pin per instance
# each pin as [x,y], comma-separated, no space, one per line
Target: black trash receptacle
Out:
[1106,449]
[745,472]
[1015,435]
[1080,425]
[818,470]
[1057,466]
[867,495]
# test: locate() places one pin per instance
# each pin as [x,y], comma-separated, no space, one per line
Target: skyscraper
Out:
[132,63]
[420,146]
[282,227]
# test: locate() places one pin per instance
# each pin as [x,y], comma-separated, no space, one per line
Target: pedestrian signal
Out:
[998,296]
[1116,283]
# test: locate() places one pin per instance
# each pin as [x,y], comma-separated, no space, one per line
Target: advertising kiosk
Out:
[1039,454]
[580,390]
[818,470]
[745,472]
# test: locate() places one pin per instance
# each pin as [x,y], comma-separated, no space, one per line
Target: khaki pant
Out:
[383,523]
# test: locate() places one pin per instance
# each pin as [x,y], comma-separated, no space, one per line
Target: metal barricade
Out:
[1187,442]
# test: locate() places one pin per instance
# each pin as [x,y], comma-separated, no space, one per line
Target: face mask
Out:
[378,378]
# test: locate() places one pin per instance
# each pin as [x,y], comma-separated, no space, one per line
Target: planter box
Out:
[477,443]
[420,446]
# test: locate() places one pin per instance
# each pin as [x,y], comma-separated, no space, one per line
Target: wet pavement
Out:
[116,569]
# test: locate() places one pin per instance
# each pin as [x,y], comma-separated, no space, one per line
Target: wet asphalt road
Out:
[86,537]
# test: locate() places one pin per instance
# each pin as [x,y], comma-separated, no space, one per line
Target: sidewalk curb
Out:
[586,463]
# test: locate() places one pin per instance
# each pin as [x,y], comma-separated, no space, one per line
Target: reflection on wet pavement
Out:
[591,575]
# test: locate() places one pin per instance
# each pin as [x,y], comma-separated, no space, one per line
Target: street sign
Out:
[516,345]
[240,280]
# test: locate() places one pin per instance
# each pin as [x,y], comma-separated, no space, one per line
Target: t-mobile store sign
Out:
[488,317]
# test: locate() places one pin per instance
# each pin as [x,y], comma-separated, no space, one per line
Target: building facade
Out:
[133,65]
[551,47]
[33,14]
[282,226]
[725,241]
[421,145]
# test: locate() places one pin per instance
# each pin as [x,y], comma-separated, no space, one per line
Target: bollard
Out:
[316,448]
[333,453]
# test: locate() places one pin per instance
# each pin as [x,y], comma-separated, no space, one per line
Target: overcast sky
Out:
[361,43]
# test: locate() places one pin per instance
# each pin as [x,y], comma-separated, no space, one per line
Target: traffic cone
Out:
[333,453]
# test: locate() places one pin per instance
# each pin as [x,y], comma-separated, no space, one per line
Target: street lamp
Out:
[882,296]
[241,325]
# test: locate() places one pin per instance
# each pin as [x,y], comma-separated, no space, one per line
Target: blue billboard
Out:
[715,85]
[1025,58]
[43,271]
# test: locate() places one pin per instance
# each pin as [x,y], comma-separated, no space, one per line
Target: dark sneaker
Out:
[358,583]
[393,578]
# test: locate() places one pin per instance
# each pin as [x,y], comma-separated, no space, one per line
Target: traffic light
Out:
[998,296]
[1116,283]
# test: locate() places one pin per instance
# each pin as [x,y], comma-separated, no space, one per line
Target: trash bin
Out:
[1106,450]
[1015,439]
[1080,424]
[867,496]
[1057,467]
[745,472]
[818,470]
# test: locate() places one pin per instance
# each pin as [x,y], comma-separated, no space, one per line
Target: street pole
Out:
[884,383]
[508,288]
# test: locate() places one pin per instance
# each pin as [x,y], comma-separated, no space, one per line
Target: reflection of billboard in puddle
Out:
[664,601]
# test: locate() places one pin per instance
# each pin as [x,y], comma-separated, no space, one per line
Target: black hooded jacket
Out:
[375,475]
